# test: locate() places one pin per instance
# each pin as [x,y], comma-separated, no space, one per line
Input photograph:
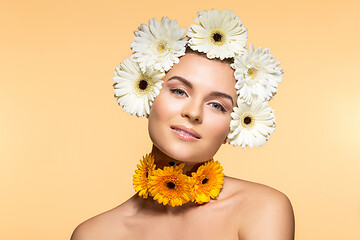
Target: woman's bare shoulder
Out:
[264,212]
[106,226]
[251,189]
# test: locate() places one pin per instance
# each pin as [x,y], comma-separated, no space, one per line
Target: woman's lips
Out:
[185,133]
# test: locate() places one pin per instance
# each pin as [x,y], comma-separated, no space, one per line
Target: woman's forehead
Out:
[201,71]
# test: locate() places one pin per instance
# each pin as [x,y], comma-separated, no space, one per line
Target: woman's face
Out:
[190,118]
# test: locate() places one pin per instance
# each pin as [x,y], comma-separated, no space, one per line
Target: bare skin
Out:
[198,94]
[243,210]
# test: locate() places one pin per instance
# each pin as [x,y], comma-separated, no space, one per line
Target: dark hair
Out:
[226,60]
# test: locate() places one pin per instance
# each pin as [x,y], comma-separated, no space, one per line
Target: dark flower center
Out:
[247,120]
[143,84]
[172,163]
[147,174]
[204,181]
[217,37]
[170,185]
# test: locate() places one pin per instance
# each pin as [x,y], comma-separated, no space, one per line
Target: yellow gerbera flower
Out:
[208,181]
[142,174]
[170,186]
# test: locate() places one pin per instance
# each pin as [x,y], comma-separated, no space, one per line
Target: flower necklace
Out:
[169,186]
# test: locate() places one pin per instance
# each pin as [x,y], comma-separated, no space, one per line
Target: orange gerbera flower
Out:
[140,178]
[207,182]
[170,186]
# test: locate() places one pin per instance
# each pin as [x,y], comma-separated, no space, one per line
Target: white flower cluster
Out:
[138,80]
[157,48]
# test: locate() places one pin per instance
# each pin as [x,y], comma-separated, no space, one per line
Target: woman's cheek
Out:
[221,125]
[173,104]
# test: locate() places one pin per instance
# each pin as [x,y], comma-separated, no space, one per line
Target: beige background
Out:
[68,151]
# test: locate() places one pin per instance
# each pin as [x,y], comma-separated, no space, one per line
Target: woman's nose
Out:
[193,111]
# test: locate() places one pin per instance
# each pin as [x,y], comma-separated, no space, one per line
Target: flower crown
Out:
[158,46]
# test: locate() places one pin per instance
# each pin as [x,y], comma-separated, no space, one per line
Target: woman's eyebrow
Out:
[224,95]
[215,94]
[183,80]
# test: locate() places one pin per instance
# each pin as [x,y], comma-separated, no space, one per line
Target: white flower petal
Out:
[257,75]
[135,98]
[220,34]
[257,131]
[159,45]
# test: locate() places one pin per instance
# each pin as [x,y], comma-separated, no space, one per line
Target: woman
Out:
[181,191]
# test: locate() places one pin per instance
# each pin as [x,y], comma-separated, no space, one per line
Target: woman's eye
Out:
[218,106]
[178,92]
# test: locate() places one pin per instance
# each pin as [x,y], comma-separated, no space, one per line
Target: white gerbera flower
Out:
[135,91]
[159,45]
[251,124]
[257,74]
[220,34]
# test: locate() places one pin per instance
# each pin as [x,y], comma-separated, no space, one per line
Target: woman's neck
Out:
[162,160]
